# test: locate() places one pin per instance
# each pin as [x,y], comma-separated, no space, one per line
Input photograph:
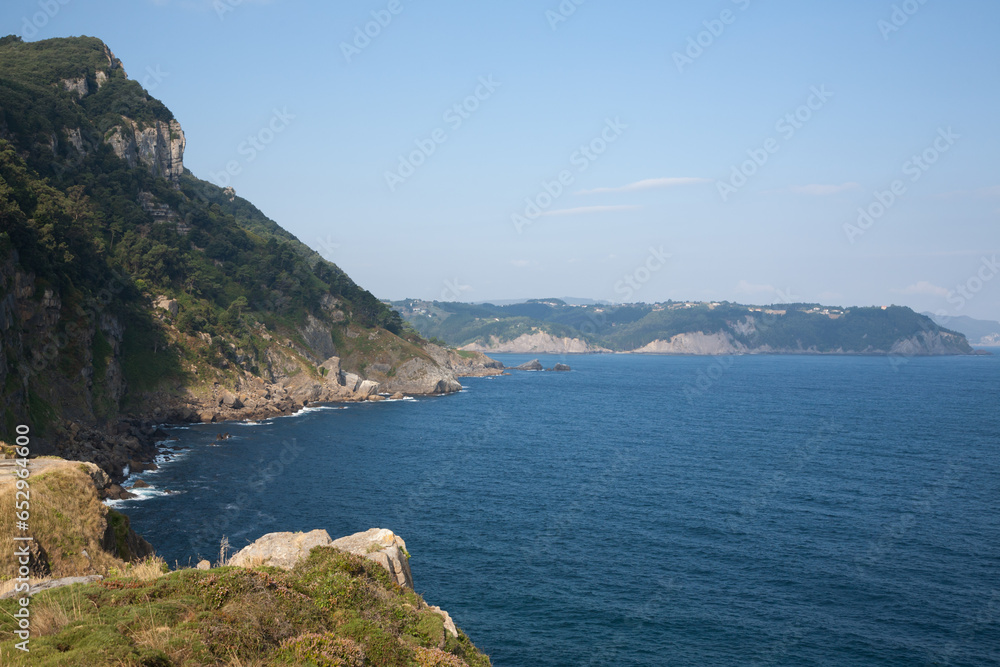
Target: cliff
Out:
[288,599]
[553,327]
[133,292]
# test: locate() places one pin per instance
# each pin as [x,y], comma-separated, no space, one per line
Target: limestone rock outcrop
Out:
[285,550]
[159,146]
[694,343]
[535,343]
[282,550]
[533,365]
[385,548]
[424,377]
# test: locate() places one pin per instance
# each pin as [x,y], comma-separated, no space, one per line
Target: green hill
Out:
[131,289]
[685,328]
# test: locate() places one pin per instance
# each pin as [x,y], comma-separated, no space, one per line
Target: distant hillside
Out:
[979,332]
[551,325]
[131,289]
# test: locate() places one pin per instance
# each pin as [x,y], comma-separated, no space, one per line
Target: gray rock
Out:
[285,550]
[169,305]
[367,388]
[385,548]
[422,377]
[282,550]
[54,583]
[561,368]
[350,380]
[204,565]
[332,366]
[533,365]
[449,624]
[139,484]
[116,492]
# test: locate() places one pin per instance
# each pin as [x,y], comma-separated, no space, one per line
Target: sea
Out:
[645,510]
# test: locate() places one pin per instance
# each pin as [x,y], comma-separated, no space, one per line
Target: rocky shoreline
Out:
[131,443]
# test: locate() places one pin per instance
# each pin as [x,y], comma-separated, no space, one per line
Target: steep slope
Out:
[130,290]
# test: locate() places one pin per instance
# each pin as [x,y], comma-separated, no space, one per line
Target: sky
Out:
[759,152]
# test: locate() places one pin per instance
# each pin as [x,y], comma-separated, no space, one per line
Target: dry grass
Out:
[66,520]
[150,569]
[50,615]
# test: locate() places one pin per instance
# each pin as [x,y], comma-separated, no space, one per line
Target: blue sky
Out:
[746,158]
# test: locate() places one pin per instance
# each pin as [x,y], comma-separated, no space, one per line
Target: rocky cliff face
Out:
[697,343]
[158,147]
[535,343]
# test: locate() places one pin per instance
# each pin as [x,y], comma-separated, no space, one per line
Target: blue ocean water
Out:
[648,510]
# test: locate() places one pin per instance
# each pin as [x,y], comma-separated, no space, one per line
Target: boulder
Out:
[422,377]
[204,565]
[139,466]
[449,624]
[116,492]
[385,548]
[54,583]
[332,366]
[169,305]
[139,484]
[350,380]
[230,400]
[367,388]
[533,365]
[561,368]
[285,550]
[398,396]
[282,550]
[101,479]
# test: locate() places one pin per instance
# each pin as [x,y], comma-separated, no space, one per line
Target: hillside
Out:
[553,326]
[98,596]
[130,290]
[985,333]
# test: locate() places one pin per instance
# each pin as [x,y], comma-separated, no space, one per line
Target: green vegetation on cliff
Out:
[96,226]
[782,327]
[333,609]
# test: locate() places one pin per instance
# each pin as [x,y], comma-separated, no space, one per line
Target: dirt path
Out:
[9,468]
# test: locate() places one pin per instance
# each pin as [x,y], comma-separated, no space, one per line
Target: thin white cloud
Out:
[745,287]
[648,184]
[923,287]
[591,209]
[817,190]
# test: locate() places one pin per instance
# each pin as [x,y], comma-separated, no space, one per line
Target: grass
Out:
[66,519]
[332,609]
